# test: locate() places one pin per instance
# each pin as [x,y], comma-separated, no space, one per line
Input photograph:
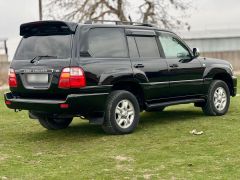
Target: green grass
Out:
[160,148]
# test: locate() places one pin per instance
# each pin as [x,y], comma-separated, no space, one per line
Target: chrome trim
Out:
[208,79]
[182,81]
[177,97]
[155,83]
[80,95]
[35,71]
[36,101]
[169,82]
[98,86]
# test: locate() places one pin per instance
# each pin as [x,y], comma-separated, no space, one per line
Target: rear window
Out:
[147,47]
[107,42]
[52,45]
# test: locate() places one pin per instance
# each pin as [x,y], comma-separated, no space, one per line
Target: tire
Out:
[159,109]
[54,124]
[121,113]
[213,106]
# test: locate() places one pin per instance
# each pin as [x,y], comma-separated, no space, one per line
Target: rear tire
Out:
[121,113]
[218,99]
[54,124]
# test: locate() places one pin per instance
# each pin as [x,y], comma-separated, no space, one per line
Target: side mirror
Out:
[196,52]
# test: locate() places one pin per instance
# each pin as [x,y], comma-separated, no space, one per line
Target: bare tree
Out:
[82,10]
[165,13]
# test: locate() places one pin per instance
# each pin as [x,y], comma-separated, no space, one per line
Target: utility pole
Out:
[40,9]
[5,47]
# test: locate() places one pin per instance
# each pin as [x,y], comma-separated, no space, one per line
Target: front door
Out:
[185,71]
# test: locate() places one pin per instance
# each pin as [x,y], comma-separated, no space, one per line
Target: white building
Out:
[3,50]
[221,44]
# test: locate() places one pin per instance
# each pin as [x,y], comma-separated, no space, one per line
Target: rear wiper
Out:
[37,58]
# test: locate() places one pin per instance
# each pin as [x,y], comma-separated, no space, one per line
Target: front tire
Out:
[218,99]
[54,124]
[121,113]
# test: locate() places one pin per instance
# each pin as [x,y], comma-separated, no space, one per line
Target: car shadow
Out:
[81,131]
[169,116]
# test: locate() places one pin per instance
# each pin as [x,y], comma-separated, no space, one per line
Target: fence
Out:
[4,66]
[231,56]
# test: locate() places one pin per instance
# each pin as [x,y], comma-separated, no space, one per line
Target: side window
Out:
[107,42]
[172,47]
[147,47]
[133,52]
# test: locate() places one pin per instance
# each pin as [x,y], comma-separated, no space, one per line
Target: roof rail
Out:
[92,21]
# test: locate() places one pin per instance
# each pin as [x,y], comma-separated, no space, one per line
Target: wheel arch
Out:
[223,74]
[227,79]
[133,87]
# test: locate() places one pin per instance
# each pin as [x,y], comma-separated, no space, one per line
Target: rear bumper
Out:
[234,78]
[77,103]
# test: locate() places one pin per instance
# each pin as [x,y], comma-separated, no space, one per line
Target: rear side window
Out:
[107,42]
[147,47]
[50,45]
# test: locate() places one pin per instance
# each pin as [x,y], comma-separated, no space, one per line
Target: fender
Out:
[211,71]
[124,75]
[116,75]
[214,70]
[140,76]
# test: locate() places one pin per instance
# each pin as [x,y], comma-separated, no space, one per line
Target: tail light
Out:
[12,79]
[8,102]
[64,106]
[72,77]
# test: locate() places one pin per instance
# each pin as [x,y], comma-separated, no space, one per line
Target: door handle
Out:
[138,65]
[173,65]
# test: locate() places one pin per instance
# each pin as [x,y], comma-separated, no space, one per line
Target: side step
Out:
[169,103]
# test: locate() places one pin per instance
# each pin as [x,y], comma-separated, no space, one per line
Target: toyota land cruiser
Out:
[109,73]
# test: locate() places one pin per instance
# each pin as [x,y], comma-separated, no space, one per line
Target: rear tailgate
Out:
[40,80]
[45,49]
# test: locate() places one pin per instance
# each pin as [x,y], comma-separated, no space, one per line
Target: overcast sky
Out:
[207,14]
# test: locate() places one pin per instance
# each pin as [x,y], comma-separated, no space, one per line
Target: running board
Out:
[169,103]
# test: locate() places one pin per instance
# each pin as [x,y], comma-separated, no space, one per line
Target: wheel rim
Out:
[220,98]
[124,113]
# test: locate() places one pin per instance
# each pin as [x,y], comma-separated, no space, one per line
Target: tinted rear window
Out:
[53,45]
[147,47]
[107,42]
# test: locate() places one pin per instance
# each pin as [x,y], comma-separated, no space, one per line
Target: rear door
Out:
[39,59]
[185,71]
[148,63]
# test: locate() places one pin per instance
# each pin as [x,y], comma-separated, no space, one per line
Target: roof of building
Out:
[210,34]
[3,39]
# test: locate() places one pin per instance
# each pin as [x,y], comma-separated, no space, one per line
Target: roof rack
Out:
[92,21]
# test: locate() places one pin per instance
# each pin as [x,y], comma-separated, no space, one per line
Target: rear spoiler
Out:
[47,27]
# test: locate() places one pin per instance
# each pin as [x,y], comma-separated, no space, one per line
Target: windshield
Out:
[53,45]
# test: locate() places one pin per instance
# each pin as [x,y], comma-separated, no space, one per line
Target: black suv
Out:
[109,73]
